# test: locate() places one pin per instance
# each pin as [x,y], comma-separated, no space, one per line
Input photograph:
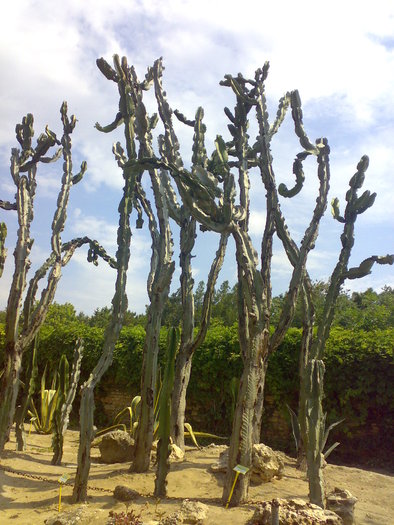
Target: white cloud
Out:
[339,56]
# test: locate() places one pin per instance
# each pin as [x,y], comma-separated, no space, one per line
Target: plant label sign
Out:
[241,469]
[63,479]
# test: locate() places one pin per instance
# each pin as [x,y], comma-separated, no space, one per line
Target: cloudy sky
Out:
[339,55]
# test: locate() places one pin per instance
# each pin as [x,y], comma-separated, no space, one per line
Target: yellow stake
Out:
[62,480]
[239,469]
[60,496]
[232,489]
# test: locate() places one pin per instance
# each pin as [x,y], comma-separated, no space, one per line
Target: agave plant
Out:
[295,426]
[133,413]
[43,419]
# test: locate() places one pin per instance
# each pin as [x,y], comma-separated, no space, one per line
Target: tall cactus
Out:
[311,416]
[189,342]
[121,75]
[68,383]
[24,163]
[163,446]
[208,192]
[159,279]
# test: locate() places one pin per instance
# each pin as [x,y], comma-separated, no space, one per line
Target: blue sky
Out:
[339,55]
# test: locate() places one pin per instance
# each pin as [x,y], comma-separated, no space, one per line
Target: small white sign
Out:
[63,479]
[241,469]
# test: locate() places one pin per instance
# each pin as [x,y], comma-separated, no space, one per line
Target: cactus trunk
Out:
[163,446]
[144,439]
[9,388]
[182,374]
[65,401]
[241,444]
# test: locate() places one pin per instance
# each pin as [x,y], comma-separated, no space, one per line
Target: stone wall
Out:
[276,430]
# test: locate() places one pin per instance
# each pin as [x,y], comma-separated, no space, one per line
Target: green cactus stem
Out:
[67,386]
[3,249]
[20,415]
[163,433]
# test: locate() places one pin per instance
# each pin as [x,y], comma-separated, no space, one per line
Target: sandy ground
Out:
[30,501]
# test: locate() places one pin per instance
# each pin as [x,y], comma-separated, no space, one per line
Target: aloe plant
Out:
[44,417]
[133,414]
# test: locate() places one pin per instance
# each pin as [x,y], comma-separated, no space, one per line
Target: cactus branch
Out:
[3,249]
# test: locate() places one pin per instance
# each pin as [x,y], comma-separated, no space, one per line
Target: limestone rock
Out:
[66,518]
[294,512]
[342,503]
[190,513]
[83,513]
[266,464]
[116,447]
[122,493]
[176,453]
[194,512]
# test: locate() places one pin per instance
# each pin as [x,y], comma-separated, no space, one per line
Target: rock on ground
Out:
[267,464]
[190,513]
[342,503]
[294,512]
[176,453]
[116,447]
[122,493]
[74,516]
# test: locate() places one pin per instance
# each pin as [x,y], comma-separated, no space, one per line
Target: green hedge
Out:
[358,381]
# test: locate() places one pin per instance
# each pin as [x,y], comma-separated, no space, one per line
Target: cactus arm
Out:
[335,210]
[107,70]
[66,391]
[300,177]
[110,127]
[74,379]
[171,143]
[3,249]
[174,209]
[214,271]
[296,113]
[5,205]
[307,244]
[53,158]
[95,251]
[341,269]
[365,267]
[280,115]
